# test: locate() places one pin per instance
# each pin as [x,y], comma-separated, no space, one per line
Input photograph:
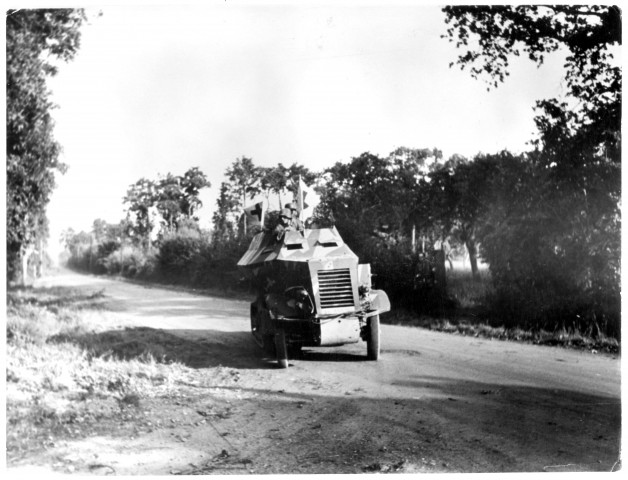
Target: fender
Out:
[379,303]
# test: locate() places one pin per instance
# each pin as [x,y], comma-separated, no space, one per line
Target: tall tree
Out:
[140,199]
[371,194]
[191,183]
[453,200]
[225,217]
[35,40]
[567,236]
[244,177]
[274,180]
[168,198]
[589,34]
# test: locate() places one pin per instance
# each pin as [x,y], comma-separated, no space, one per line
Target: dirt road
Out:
[434,402]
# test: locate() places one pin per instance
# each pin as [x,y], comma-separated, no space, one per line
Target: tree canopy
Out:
[174,198]
[36,40]
[551,232]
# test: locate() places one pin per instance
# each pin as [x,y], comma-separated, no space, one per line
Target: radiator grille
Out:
[335,288]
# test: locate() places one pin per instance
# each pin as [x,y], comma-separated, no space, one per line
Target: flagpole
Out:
[244,207]
[300,199]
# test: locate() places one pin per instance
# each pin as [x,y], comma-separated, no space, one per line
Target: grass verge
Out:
[478,328]
[63,381]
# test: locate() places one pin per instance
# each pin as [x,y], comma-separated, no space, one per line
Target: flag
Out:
[307,200]
[255,214]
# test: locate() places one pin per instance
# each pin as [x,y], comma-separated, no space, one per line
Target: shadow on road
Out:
[467,426]
[194,348]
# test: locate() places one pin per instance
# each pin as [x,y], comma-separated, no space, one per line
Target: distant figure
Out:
[295,221]
[285,223]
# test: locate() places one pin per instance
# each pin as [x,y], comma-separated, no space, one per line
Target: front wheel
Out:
[372,342]
[281,349]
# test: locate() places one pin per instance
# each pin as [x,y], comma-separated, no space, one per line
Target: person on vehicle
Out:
[285,223]
[295,221]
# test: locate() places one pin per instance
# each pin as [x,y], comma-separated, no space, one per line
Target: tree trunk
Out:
[473,256]
[26,253]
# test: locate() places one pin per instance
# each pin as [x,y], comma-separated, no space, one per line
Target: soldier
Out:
[285,223]
[295,221]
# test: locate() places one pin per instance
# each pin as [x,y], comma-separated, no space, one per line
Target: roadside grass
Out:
[465,290]
[469,319]
[470,326]
[63,380]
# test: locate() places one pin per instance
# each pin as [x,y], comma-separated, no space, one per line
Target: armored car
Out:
[311,292]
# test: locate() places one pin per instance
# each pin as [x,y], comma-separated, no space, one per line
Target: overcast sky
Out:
[158,89]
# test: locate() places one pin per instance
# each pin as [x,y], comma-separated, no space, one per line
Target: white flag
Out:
[307,200]
[255,214]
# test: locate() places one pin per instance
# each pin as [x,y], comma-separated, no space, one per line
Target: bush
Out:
[179,254]
[130,261]
[553,249]
[410,279]
[217,265]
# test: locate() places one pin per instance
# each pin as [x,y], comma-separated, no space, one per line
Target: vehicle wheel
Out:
[281,349]
[372,342]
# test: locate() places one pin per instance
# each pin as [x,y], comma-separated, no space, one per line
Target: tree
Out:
[490,35]
[99,230]
[372,195]
[566,234]
[280,179]
[174,198]
[141,198]
[168,199]
[244,177]
[191,183]
[35,40]
[454,199]
[226,216]
[274,180]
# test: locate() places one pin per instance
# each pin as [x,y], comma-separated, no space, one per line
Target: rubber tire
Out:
[372,343]
[281,349]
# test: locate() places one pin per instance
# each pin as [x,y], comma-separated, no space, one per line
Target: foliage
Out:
[245,181]
[551,232]
[140,198]
[130,261]
[71,372]
[374,196]
[548,267]
[586,31]
[174,198]
[178,253]
[375,202]
[225,217]
[35,39]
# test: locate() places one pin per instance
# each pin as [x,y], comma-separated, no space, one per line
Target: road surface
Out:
[434,402]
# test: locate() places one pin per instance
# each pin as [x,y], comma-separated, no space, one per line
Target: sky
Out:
[158,88]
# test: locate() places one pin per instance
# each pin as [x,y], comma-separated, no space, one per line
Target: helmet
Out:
[285,212]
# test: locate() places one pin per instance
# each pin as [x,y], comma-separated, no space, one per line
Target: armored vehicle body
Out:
[311,292]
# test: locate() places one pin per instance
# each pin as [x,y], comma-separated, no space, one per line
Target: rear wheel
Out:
[372,342]
[281,349]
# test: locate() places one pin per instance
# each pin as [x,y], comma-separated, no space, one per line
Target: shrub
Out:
[130,261]
[179,254]
[410,279]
